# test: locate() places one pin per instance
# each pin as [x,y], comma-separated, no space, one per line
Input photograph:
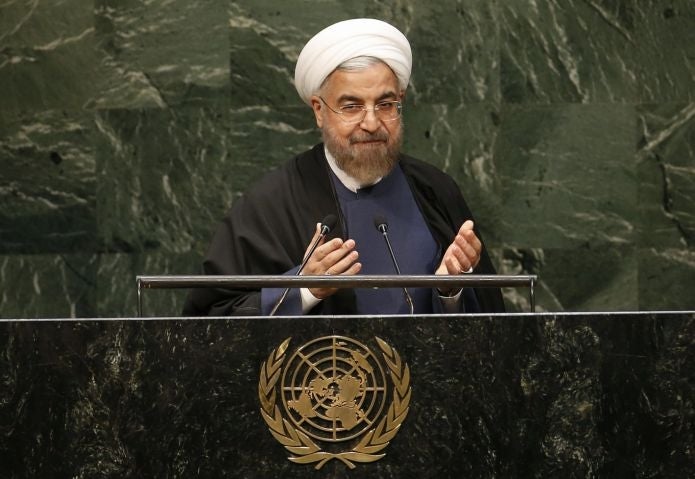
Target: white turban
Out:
[346,40]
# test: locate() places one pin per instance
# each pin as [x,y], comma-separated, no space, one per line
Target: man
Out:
[354,75]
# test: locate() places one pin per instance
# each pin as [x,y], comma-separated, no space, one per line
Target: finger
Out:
[466,226]
[315,264]
[343,265]
[327,248]
[471,238]
[471,246]
[454,265]
[448,265]
[353,269]
[323,293]
[466,248]
[460,261]
[338,254]
[325,257]
[468,241]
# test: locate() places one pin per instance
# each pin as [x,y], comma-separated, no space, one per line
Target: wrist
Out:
[448,293]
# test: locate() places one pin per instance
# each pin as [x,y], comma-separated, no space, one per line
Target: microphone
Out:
[382,226]
[327,225]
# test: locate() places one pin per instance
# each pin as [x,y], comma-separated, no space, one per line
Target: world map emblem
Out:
[334,398]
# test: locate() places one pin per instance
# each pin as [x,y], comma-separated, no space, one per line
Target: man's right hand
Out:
[332,258]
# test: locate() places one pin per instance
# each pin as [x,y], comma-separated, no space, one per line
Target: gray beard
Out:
[371,163]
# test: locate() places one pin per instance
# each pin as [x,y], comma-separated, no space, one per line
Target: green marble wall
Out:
[127,128]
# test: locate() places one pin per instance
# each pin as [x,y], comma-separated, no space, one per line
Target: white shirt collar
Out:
[348,181]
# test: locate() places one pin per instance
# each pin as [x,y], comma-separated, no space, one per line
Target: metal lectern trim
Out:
[358,281]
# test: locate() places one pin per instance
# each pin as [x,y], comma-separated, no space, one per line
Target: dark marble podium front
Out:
[522,395]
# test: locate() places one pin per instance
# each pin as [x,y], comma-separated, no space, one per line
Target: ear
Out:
[316,106]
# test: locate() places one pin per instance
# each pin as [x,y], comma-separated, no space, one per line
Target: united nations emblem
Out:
[332,399]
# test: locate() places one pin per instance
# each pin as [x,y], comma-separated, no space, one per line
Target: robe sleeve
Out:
[265,232]
[445,210]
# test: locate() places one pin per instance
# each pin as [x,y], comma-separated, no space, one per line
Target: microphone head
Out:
[328,223]
[380,223]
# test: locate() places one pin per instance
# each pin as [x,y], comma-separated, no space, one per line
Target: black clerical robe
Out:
[268,229]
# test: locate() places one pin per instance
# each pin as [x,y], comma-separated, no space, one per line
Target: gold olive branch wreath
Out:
[307,451]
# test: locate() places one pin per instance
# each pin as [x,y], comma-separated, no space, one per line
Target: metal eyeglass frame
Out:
[399,110]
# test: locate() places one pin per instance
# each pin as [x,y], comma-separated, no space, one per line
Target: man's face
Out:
[367,150]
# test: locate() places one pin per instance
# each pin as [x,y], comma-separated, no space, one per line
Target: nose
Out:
[370,122]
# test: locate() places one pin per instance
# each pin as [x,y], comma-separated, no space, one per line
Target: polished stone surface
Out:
[585,395]
[128,128]
[47,185]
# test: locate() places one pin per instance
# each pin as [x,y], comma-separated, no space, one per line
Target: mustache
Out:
[376,136]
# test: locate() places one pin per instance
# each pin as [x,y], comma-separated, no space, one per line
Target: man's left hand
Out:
[463,254]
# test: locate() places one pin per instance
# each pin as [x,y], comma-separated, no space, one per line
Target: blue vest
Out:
[413,244]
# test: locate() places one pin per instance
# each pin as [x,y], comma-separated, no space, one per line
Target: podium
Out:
[513,395]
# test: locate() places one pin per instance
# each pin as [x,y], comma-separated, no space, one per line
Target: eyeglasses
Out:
[355,113]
